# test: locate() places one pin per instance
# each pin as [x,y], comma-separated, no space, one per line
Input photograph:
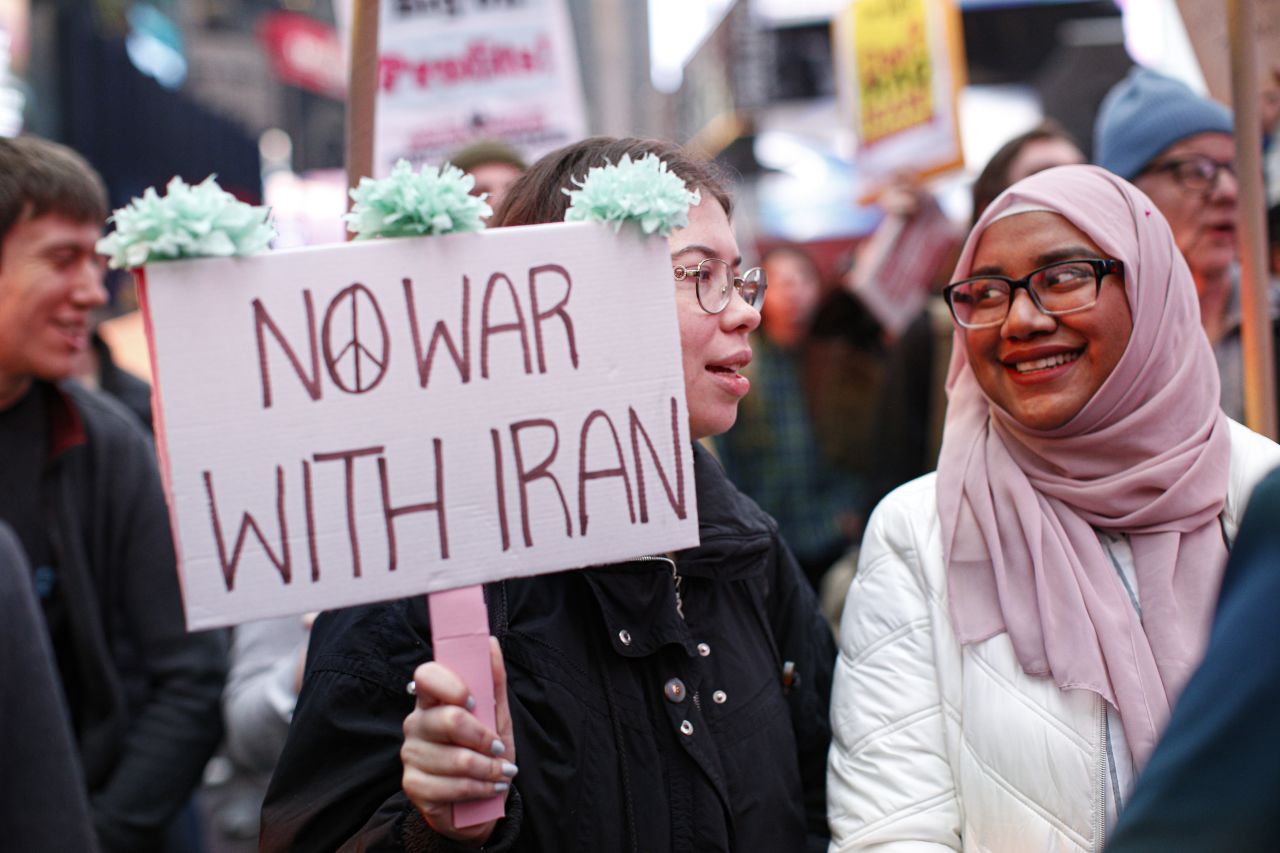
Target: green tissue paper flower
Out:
[414,204]
[186,222]
[643,191]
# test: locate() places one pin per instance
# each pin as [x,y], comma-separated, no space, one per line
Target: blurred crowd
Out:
[124,732]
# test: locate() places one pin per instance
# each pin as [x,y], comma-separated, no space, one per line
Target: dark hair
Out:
[994,178]
[39,177]
[536,196]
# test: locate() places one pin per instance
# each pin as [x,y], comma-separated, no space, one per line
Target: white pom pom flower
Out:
[643,191]
[415,204]
[186,222]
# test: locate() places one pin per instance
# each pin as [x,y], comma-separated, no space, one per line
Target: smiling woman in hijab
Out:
[1022,621]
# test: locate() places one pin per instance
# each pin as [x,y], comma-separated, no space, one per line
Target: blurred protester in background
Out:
[1022,621]
[843,371]
[1273,240]
[494,165]
[267,659]
[98,370]
[913,401]
[1213,783]
[81,491]
[771,453]
[43,806]
[1178,148]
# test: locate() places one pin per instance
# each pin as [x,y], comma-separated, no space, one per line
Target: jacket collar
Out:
[731,526]
[65,426]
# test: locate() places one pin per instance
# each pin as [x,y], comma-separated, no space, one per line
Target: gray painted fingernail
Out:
[500,787]
[509,769]
[411,688]
[470,704]
[497,747]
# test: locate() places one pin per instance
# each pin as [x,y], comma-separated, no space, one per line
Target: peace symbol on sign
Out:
[362,361]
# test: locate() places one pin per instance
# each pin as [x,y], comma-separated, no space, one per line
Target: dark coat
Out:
[148,716]
[610,758]
[37,749]
[1213,782]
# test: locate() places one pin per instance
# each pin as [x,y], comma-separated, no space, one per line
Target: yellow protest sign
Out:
[895,71]
[899,70]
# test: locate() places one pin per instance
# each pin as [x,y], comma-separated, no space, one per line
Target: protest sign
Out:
[1206,25]
[899,70]
[450,73]
[351,423]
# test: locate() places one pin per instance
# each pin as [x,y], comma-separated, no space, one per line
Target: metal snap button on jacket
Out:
[719,696]
[674,690]
[704,649]
[625,636]
[686,728]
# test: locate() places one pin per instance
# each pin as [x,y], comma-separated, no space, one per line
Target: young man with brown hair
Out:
[81,490]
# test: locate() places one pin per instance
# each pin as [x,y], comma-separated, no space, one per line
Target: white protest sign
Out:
[360,422]
[450,73]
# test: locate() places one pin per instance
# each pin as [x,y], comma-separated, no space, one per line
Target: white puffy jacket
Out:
[942,747]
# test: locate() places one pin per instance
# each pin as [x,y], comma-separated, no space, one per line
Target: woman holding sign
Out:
[669,703]
[1022,621]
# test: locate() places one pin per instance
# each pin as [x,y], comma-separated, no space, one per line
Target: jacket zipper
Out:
[675,579]
[1100,802]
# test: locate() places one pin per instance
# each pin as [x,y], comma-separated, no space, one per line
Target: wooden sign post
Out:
[1236,42]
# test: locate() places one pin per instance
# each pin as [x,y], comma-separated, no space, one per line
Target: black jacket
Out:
[607,761]
[148,715]
[43,805]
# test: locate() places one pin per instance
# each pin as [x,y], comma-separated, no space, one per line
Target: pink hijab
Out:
[1147,456]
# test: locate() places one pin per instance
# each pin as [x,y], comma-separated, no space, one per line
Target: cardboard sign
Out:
[894,268]
[1206,25]
[454,72]
[352,423]
[899,70]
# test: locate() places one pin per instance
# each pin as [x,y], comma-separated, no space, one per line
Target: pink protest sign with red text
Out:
[379,419]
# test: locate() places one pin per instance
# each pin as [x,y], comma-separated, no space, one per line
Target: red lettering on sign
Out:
[440,333]
[525,476]
[676,498]
[585,475]
[261,320]
[249,523]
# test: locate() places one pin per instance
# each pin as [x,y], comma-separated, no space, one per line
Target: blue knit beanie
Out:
[1144,114]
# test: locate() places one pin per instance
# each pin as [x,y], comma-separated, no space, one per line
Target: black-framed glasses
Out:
[715,283]
[1195,172]
[1059,288]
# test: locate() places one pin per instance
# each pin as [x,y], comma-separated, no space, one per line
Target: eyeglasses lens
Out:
[1199,173]
[715,285]
[1058,289]
[753,287]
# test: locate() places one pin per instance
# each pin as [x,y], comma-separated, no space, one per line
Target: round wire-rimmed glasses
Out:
[715,283]
[1064,287]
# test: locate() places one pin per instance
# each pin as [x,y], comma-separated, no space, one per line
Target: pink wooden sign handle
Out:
[460,638]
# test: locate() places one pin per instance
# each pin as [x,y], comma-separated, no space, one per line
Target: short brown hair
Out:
[39,177]
[536,196]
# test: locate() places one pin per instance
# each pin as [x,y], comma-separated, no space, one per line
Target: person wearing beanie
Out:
[494,165]
[1178,148]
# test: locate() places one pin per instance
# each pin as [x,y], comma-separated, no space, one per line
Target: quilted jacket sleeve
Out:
[890,785]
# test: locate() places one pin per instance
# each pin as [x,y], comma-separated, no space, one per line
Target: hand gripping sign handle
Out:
[460,637]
